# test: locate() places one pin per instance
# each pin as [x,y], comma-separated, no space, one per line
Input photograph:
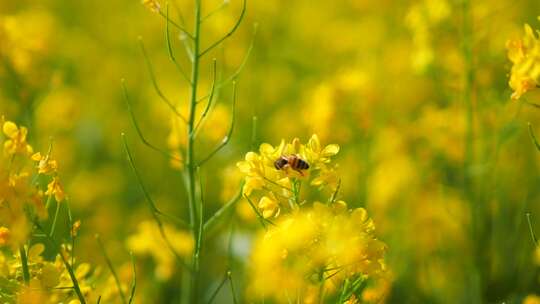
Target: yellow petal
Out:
[314,143]
[361,214]
[244,166]
[528,31]
[36,156]
[252,157]
[281,149]
[35,251]
[268,213]
[82,270]
[10,129]
[23,131]
[252,184]
[330,150]
[296,145]
[340,206]
[266,149]
[266,203]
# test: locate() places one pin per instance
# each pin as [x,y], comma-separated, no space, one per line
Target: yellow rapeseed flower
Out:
[45,164]
[75,228]
[55,188]
[274,186]
[325,244]
[269,206]
[524,53]
[16,142]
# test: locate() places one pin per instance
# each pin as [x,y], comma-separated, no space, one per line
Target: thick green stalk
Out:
[190,153]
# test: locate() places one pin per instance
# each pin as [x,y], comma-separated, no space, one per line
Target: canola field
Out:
[247,151]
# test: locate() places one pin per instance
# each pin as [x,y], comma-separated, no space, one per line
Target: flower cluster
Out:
[326,244]
[19,189]
[50,282]
[28,184]
[313,250]
[276,188]
[524,53]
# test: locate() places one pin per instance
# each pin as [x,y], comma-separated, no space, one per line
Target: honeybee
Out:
[292,161]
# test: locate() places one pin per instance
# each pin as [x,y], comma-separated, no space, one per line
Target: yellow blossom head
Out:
[56,189]
[16,139]
[325,244]
[524,53]
[45,164]
[274,175]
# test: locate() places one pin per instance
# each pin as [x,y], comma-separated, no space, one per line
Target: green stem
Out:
[295,189]
[111,268]
[73,278]
[69,267]
[533,137]
[531,230]
[215,293]
[48,203]
[24,262]
[213,221]
[233,291]
[259,215]
[190,153]
[53,226]
[152,205]
[134,283]
[321,286]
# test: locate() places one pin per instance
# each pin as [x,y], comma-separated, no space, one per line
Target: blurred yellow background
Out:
[414,92]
